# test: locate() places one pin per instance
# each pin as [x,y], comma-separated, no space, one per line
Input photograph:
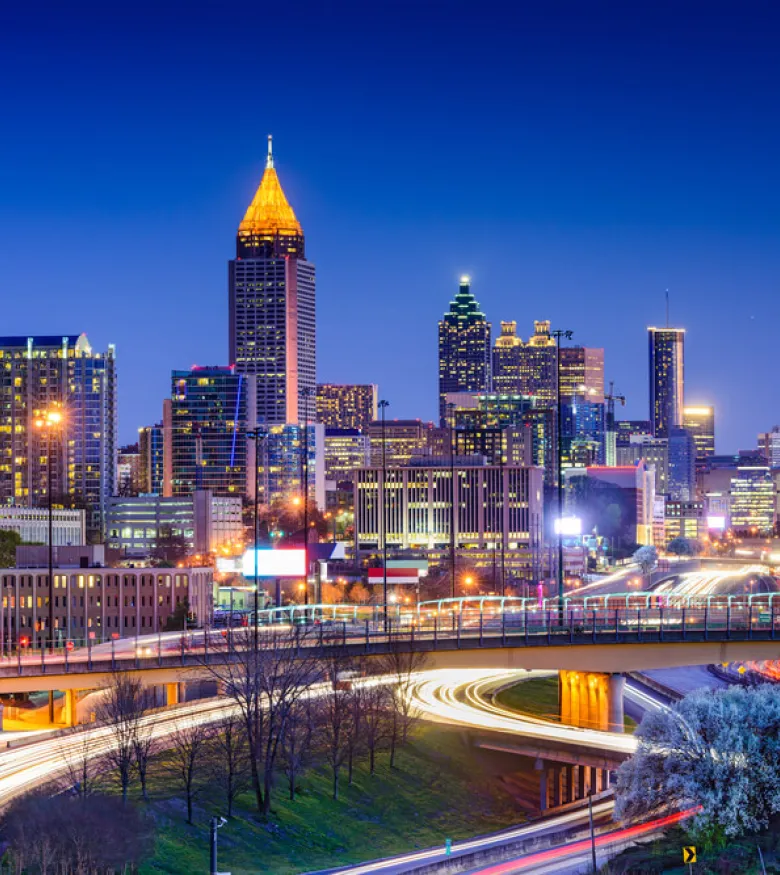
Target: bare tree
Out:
[144,748]
[229,760]
[83,761]
[186,761]
[122,710]
[402,666]
[336,714]
[265,675]
[378,718]
[299,741]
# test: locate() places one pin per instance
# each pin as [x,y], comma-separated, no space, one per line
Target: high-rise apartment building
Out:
[347,405]
[464,348]
[699,420]
[582,373]
[211,408]
[272,306]
[40,374]
[666,372]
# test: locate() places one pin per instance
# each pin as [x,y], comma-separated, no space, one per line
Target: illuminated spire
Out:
[270,214]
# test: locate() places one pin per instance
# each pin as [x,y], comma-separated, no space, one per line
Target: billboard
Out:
[716,523]
[568,526]
[275,563]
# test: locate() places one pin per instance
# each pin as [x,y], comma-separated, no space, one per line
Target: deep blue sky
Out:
[576,159]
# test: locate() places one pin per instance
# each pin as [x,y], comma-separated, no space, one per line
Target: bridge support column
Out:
[584,699]
[172,694]
[70,715]
[617,686]
[541,767]
[571,786]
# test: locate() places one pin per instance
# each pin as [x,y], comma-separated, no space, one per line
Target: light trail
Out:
[436,695]
[582,848]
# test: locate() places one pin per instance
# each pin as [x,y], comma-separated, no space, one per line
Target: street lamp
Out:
[256,435]
[559,335]
[383,405]
[50,421]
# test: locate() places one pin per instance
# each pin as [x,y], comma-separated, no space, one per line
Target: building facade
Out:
[752,499]
[151,449]
[272,307]
[497,507]
[507,362]
[347,405]
[667,378]
[345,450]
[699,420]
[402,439]
[539,367]
[211,408]
[769,446]
[32,525]
[98,604]
[464,348]
[281,473]
[682,465]
[582,373]
[42,374]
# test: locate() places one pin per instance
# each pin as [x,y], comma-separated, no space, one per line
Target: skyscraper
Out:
[538,370]
[582,373]
[700,422]
[682,465]
[272,306]
[666,374]
[769,446]
[151,445]
[464,348]
[210,411]
[36,375]
[346,406]
[507,360]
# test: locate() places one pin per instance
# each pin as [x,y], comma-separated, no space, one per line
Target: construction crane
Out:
[611,437]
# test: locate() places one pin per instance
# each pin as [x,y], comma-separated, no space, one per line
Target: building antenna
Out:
[667,305]
[269,161]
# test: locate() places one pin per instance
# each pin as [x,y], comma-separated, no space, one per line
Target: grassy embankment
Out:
[538,697]
[436,792]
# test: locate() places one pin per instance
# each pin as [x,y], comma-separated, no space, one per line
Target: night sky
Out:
[576,159]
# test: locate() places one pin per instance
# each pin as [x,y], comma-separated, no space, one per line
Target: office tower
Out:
[583,424]
[281,470]
[769,446]
[151,444]
[272,306]
[666,378]
[403,439]
[508,360]
[345,450]
[346,406]
[700,422]
[582,373]
[538,368]
[625,429]
[464,348]
[38,374]
[210,410]
[500,512]
[752,493]
[682,465]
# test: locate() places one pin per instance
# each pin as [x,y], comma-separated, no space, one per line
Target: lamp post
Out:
[256,435]
[383,405]
[306,393]
[48,423]
[451,419]
[559,335]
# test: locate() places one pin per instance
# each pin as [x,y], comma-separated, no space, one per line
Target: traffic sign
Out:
[69,645]
[689,855]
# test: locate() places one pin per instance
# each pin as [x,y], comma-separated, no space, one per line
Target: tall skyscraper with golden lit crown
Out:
[272,306]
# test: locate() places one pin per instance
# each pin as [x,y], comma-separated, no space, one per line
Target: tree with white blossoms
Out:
[717,750]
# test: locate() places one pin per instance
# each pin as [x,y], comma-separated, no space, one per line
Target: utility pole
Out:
[383,405]
[592,834]
[559,335]
[306,393]
[256,435]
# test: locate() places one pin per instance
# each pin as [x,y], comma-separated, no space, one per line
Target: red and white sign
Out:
[69,645]
[394,575]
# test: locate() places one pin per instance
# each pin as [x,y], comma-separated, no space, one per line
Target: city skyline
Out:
[580,215]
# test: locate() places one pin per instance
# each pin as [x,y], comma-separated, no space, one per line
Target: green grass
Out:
[538,697]
[435,793]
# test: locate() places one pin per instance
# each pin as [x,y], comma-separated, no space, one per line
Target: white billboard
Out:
[274,563]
